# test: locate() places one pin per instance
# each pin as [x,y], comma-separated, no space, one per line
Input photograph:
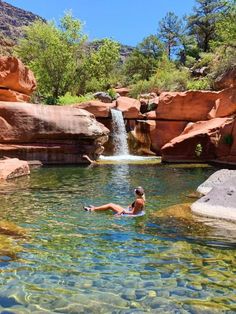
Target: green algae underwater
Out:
[71,261]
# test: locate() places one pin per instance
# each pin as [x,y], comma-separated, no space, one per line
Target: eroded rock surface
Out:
[51,134]
[220,202]
[17,82]
[11,168]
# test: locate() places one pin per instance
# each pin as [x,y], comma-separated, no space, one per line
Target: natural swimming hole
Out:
[72,261]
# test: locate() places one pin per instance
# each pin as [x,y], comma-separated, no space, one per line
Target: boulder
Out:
[96,107]
[122,91]
[103,97]
[198,141]
[11,168]
[227,79]
[50,134]
[186,106]
[13,96]
[139,139]
[130,107]
[216,179]
[225,105]
[15,76]
[219,202]
[162,132]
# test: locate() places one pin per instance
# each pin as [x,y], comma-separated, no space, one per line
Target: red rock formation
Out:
[11,168]
[96,107]
[51,134]
[15,77]
[130,107]
[122,91]
[186,106]
[204,135]
[10,95]
[227,79]
[225,105]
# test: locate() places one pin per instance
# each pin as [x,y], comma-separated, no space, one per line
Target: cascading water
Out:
[119,134]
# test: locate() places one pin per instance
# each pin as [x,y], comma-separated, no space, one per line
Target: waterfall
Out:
[119,133]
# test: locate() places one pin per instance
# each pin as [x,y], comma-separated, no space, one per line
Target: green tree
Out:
[169,31]
[142,63]
[224,45]
[202,23]
[53,53]
[100,65]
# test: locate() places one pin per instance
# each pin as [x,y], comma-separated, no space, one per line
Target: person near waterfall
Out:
[135,209]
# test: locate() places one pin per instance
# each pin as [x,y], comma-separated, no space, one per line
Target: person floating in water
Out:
[136,208]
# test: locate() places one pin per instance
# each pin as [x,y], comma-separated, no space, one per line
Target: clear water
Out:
[119,134]
[78,262]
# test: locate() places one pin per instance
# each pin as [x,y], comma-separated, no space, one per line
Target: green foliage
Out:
[224,46]
[167,78]
[112,93]
[170,31]
[198,150]
[204,60]
[68,99]
[100,65]
[199,84]
[202,23]
[228,139]
[142,63]
[51,53]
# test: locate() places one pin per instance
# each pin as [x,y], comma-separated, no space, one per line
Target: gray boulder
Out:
[220,202]
[103,97]
[216,179]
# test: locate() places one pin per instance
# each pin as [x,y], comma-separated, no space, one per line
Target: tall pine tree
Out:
[169,31]
[202,23]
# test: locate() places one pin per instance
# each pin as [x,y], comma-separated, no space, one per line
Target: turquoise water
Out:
[77,262]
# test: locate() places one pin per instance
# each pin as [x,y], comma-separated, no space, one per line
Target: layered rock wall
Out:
[51,134]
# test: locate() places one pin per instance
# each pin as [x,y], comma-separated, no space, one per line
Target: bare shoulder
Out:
[139,201]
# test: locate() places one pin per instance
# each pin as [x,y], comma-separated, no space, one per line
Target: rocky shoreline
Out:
[219,196]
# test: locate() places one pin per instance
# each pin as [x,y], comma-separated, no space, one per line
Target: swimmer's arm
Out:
[137,206]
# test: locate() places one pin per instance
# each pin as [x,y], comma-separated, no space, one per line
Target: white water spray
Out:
[119,134]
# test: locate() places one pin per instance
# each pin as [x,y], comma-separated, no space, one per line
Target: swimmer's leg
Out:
[111,206]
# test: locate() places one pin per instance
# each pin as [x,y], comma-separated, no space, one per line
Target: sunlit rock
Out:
[220,202]
[17,82]
[216,179]
[11,168]
[50,134]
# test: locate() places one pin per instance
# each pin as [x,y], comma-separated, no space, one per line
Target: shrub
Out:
[228,139]
[198,150]
[69,99]
[199,84]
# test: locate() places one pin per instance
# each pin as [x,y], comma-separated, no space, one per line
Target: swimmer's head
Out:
[139,191]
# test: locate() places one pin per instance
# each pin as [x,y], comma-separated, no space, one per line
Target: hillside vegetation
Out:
[185,53]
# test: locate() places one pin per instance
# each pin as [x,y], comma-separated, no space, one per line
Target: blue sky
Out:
[127,21]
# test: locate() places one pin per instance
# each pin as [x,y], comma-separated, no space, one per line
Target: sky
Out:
[126,21]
